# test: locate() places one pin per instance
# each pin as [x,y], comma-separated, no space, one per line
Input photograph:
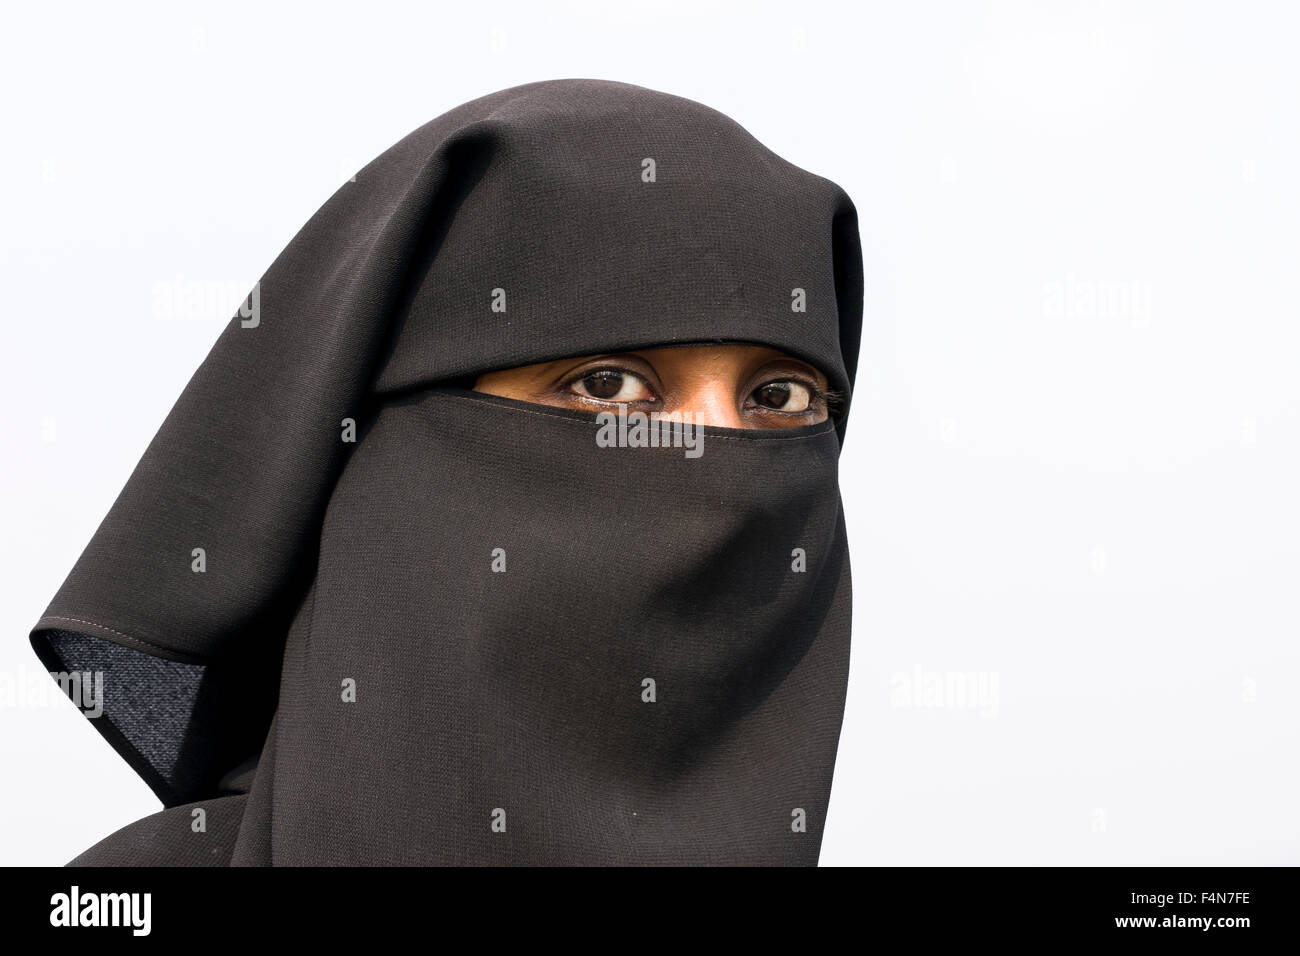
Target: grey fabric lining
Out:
[151,700]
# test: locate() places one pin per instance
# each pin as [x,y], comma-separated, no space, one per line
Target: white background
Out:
[1073,463]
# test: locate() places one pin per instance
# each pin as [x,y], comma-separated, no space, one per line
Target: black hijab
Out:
[356,613]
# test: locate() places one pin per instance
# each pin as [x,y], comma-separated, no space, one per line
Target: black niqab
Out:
[359,614]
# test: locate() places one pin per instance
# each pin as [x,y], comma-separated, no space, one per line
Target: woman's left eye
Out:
[611,385]
[785,395]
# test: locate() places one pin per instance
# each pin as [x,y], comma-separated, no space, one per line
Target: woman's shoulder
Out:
[191,834]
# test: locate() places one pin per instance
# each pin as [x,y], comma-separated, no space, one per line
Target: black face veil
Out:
[359,614]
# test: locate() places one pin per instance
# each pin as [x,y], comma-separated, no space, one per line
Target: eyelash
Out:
[820,396]
[596,370]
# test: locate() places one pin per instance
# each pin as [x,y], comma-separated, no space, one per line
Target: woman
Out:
[398,583]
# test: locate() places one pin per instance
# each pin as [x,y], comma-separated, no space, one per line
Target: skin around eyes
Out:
[734,386]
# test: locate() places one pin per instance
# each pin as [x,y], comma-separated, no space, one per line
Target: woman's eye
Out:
[788,396]
[611,385]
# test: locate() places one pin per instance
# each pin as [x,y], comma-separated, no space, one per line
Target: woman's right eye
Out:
[611,385]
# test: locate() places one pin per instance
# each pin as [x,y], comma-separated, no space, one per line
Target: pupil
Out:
[604,384]
[773,396]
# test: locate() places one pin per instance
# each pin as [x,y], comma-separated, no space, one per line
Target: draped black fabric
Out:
[359,614]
